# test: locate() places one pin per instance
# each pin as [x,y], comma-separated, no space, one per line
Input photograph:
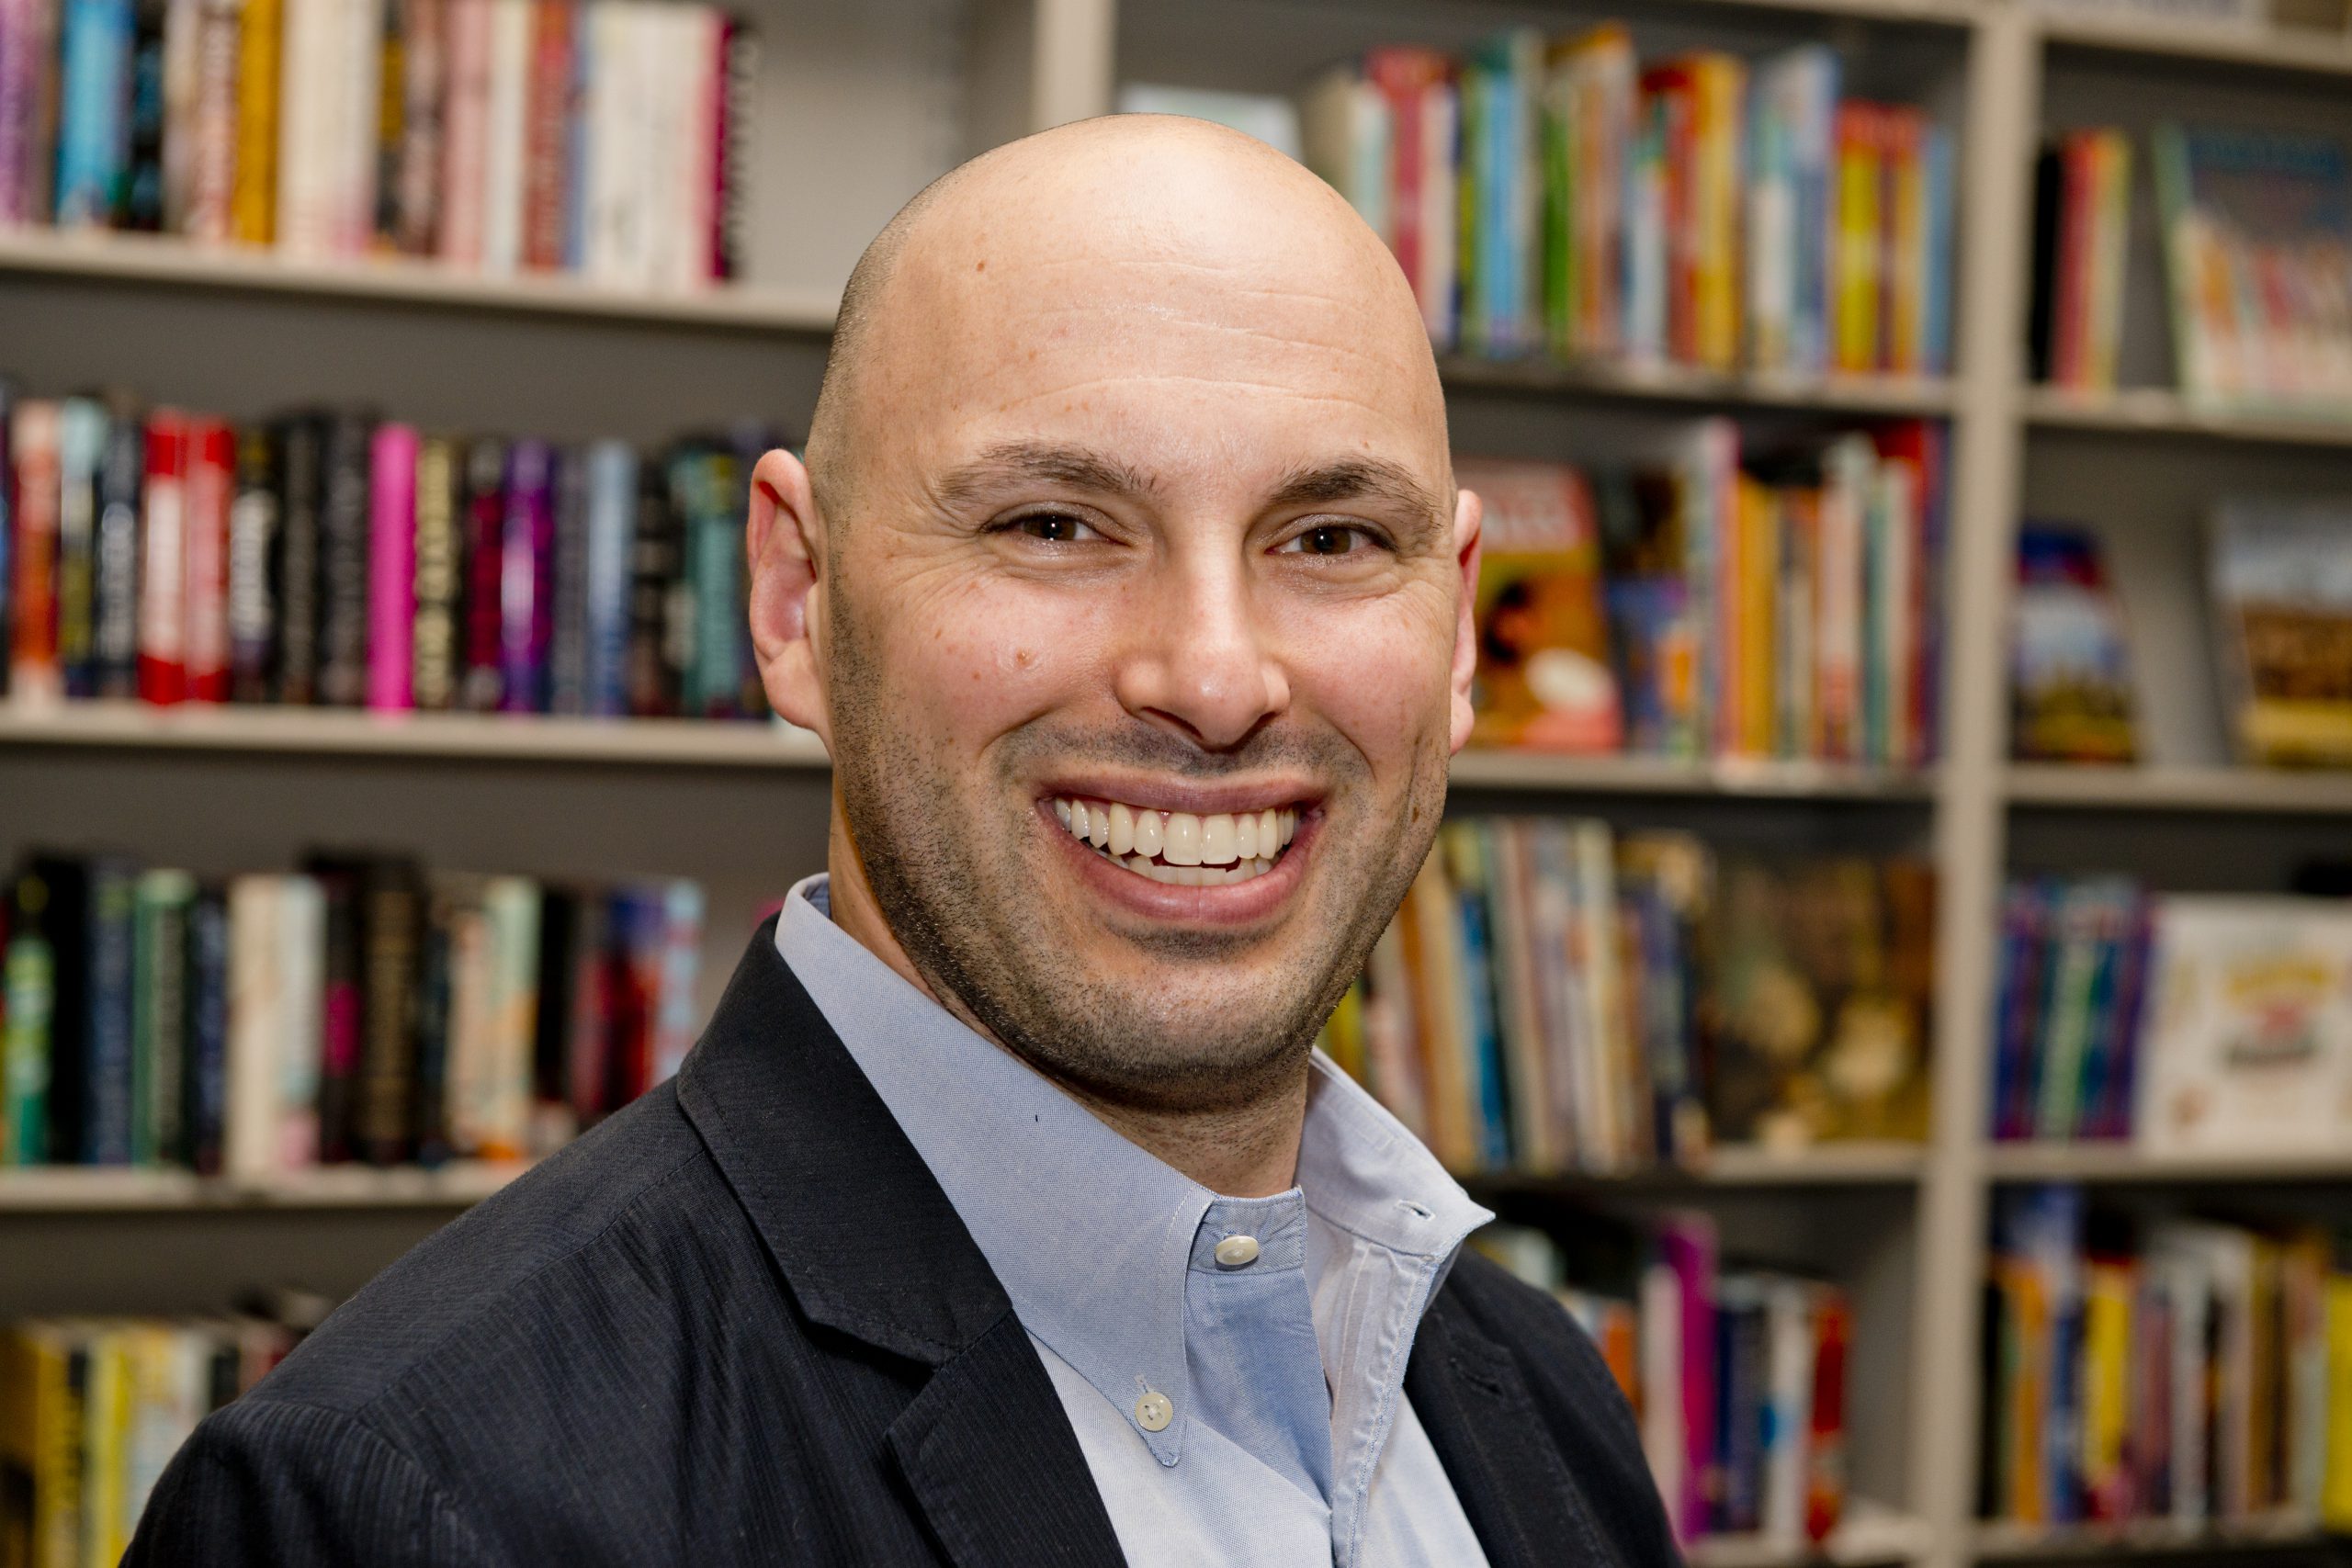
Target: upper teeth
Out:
[1177,846]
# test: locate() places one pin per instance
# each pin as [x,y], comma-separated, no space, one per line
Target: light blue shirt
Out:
[1288,1438]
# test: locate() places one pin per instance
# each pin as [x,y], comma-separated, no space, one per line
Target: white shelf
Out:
[160,259]
[2309,52]
[2000,1541]
[2120,1161]
[1878,395]
[71,1188]
[2245,791]
[1871,1533]
[1537,770]
[2159,412]
[697,743]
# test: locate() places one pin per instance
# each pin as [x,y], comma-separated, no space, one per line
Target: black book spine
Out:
[113,908]
[343,564]
[568,659]
[390,919]
[654,579]
[295,577]
[2049,218]
[340,1010]
[252,544]
[65,892]
[141,203]
[208,1030]
[559,933]
[483,543]
[123,477]
[428,1112]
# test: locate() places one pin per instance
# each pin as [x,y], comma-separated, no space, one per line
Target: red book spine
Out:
[34,674]
[211,487]
[1824,1498]
[725,109]
[546,133]
[162,571]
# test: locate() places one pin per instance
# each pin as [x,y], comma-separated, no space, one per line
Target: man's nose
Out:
[1200,656]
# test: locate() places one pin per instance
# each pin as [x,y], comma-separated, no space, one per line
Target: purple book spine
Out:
[526,565]
[1686,1245]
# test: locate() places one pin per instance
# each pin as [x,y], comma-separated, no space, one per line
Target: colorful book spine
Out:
[81,454]
[163,574]
[210,491]
[392,568]
[34,673]
[439,575]
[252,190]
[526,555]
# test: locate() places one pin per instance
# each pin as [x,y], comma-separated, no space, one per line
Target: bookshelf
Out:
[866,104]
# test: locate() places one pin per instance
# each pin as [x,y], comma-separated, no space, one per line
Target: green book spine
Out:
[31,983]
[159,1016]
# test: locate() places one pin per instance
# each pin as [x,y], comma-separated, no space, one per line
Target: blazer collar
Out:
[870,1247]
[868,1242]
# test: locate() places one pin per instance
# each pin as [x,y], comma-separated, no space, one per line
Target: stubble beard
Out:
[951,861]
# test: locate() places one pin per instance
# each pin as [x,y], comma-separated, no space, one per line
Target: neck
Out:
[1246,1149]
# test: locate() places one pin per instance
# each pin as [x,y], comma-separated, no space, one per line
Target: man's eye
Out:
[1054,528]
[1330,539]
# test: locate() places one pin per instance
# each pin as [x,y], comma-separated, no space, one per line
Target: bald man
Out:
[1004,1214]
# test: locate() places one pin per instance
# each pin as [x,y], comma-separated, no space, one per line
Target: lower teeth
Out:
[1190,875]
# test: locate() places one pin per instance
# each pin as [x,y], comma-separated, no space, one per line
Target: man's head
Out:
[1130,489]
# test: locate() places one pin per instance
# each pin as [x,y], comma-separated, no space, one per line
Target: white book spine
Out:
[302,219]
[301,1041]
[362,60]
[700,61]
[604,140]
[183,56]
[504,132]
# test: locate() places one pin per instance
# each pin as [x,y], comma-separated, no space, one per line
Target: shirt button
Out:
[1153,1412]
[1237,1251]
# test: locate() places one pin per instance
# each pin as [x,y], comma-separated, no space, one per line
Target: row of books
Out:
[604,138]
[2186,1370]
[1780,602]
[2279,598]
[358,1009]
[2082,229]
[1559,194]
[2185,1021]
[1552,996]
[1737,1377]
[333,558]
[92,1408]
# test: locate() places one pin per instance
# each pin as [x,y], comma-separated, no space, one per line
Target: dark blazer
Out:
[740,1323]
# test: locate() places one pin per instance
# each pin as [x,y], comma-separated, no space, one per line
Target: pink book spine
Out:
[465,130]
[1686,1244]
[392,568]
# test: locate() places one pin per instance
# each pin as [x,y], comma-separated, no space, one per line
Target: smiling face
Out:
[1139,612]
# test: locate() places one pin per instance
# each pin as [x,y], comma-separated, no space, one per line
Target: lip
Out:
[1229,904]
[1200,800]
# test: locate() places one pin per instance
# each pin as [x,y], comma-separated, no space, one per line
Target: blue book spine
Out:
[1814,153]
[612,512]
[105,1128]
[1935,290]
[208,1030]
[576,145]
[94,111]
[1485,1048]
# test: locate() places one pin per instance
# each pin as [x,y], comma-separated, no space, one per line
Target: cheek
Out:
[984,656]
[1377,670]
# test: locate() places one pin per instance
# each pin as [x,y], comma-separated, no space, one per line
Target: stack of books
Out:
[1552,998]
[1737,1376]
[333,558]
[358,1009]
[92,1410]
[2184,1372]
[2190,1023]
[606,139]
[1734,600]
[1556,194]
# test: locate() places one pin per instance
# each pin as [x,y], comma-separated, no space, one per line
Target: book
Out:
[392,568]
[439,577]
[343,560]
[163,562]
[2070,682]
[2249,1030]
[2282,592]
[2242,212]
[209,491]
[1544,680]
[34,674]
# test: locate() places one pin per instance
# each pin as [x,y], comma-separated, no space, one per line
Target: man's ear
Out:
[783,543]
[1468,514]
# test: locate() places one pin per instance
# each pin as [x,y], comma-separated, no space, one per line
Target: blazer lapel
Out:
[869,1246]
[1474,1403]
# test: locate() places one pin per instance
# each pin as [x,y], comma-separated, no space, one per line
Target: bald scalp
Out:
[1142,150]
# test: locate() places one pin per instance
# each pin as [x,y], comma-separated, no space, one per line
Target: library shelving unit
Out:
[857,106]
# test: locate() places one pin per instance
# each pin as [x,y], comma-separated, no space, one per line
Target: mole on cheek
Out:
[1022,658]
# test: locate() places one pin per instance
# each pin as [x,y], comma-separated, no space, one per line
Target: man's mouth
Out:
[1177,846]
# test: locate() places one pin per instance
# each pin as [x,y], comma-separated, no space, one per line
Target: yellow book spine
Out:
[2335,1485]
[106,1417]
[1857,235]
[2107,1362]
[252,193]
[1718,82]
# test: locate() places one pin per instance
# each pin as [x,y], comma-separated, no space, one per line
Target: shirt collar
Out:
[1090,1236]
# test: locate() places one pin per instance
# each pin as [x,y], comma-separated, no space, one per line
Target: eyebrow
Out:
[1013,462]
[1356,479]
